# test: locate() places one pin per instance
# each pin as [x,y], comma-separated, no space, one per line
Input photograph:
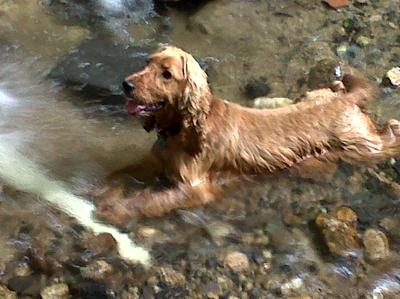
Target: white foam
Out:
[25,175]
[112,5]
[6,101]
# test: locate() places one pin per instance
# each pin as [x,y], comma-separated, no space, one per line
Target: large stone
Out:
[99,66]
[6,293]
[376,245]
[339,229]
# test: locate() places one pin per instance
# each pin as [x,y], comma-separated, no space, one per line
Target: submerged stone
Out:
[99,66]
[97,270]
[55,291]
[339,229]
[376,245]
[237,261]
[6,293]
[171,277]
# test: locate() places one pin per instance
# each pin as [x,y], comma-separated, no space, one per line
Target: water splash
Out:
[25,175]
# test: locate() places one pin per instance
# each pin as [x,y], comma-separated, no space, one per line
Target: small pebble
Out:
[291,286]
[376,245]
[146,232]
[363,41]
[237,261]
[55,291]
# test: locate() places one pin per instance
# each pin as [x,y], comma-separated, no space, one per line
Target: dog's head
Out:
[172,79]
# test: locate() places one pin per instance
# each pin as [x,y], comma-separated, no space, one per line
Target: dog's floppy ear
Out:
[194,104]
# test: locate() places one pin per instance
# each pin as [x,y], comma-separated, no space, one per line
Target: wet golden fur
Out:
[213,137]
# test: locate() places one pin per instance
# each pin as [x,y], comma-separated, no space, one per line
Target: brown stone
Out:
[171,277]
[376,245]
[339,229]
[6,293]
[236,261]
[337,3]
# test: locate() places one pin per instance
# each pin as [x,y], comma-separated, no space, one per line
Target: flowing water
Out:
[62,128]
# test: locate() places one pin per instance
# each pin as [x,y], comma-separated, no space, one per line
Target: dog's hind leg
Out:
[374,147]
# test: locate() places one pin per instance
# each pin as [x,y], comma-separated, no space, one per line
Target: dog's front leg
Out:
[149,203]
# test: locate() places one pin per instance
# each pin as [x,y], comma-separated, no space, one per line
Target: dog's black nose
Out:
[128,86]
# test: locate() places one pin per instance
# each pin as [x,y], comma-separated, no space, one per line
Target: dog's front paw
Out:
[117,212]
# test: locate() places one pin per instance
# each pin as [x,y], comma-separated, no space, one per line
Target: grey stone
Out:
[99,66]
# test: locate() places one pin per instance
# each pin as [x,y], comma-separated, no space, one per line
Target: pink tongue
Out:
[132,107]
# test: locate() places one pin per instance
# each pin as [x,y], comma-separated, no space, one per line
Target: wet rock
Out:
[363,41]
[100,244]
[99,66]
[26,285]
[353,54]
[150,235]
[22,269]
[55,291]
[236,261]
[339,230]
[392,77]
[257,88]
[391,225]
[41,261]
[36,30]
[322,74]
[219,230]
[130,293]
[376,245]
[97,270]
[212,290]
[147,232]
[337,3]
[171,277]
[135,10]
[90,290]
[292,286]
[6,293]
[268,103]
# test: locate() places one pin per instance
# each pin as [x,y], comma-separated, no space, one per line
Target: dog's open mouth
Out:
[135,107]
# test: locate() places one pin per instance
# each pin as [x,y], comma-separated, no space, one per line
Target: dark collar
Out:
[168,132]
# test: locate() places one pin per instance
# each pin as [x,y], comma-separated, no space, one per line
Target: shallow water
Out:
[60,66]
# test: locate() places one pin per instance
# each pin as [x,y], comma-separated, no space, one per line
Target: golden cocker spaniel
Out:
[202,138]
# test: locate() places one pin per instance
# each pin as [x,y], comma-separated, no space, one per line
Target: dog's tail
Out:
[359,89]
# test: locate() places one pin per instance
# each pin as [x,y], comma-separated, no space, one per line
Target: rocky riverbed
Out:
[277,237]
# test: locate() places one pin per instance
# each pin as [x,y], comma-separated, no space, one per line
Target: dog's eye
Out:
[167,74]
